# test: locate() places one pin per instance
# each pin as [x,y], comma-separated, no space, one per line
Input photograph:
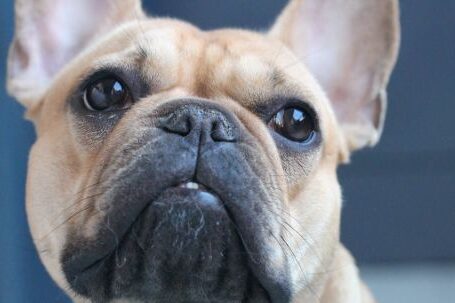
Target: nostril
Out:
[221,132]
[200,123]
[176,123]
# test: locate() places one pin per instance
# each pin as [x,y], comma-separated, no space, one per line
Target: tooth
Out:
[192,185]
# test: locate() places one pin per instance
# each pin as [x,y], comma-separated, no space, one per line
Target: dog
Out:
[179,165]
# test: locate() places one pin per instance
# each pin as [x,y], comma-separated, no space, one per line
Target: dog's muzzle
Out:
[186,215]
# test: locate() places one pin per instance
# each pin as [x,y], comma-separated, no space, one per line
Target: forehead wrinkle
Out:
[248,77]
[297,86]
[142,53]
[211,56]
[157,55]
[277,78]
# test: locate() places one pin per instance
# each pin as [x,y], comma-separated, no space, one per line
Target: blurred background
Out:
[399,209]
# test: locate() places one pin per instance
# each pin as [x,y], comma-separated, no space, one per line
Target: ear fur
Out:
[49,33]
[351,47]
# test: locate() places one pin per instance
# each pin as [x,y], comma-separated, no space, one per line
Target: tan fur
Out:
[343,43]
[231,67]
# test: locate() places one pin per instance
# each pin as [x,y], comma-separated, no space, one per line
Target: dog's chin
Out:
[183,247]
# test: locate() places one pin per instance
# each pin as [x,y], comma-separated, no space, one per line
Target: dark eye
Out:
[293,123]
[106,93]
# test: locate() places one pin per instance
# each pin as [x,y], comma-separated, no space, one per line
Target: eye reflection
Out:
[294,124]
[298,116]
[105,93]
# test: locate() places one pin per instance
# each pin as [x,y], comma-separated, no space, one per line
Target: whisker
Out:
[71,216]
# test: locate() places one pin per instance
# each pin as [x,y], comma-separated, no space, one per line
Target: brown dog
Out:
[178,165]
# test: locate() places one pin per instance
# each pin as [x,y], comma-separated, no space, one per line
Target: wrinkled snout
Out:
[186,215]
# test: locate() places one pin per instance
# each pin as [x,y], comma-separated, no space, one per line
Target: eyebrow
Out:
[142,52]
[277,78]
[140,56]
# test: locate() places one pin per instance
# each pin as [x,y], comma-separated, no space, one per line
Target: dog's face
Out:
[178,165]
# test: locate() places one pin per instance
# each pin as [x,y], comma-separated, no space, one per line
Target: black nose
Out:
[200,119]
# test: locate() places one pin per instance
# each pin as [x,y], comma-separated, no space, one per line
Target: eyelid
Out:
[130,77]
[100,74]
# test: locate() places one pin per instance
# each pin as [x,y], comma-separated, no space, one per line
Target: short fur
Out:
[335,55]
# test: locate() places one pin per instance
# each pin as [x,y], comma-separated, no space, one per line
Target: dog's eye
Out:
[106,93]
[293,123]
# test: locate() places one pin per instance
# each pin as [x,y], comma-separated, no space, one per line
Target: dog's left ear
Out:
[350,46]
[49,33]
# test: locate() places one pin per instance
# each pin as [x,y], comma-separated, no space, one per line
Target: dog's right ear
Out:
[49,33]
[350,47]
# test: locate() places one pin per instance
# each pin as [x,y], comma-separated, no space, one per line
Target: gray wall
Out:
[399,197]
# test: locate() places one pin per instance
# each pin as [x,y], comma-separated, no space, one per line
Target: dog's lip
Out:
[209,197]
[273,294]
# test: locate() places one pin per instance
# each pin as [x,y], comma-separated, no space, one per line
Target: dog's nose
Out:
[202,119]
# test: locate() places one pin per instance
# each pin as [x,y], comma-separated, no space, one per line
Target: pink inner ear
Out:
[336,56]
[68,26]
[21,59]
[50,33]
[350,46]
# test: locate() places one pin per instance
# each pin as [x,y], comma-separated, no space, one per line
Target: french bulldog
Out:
[174,164]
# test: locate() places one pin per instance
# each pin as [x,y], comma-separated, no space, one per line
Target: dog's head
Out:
[180,165]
